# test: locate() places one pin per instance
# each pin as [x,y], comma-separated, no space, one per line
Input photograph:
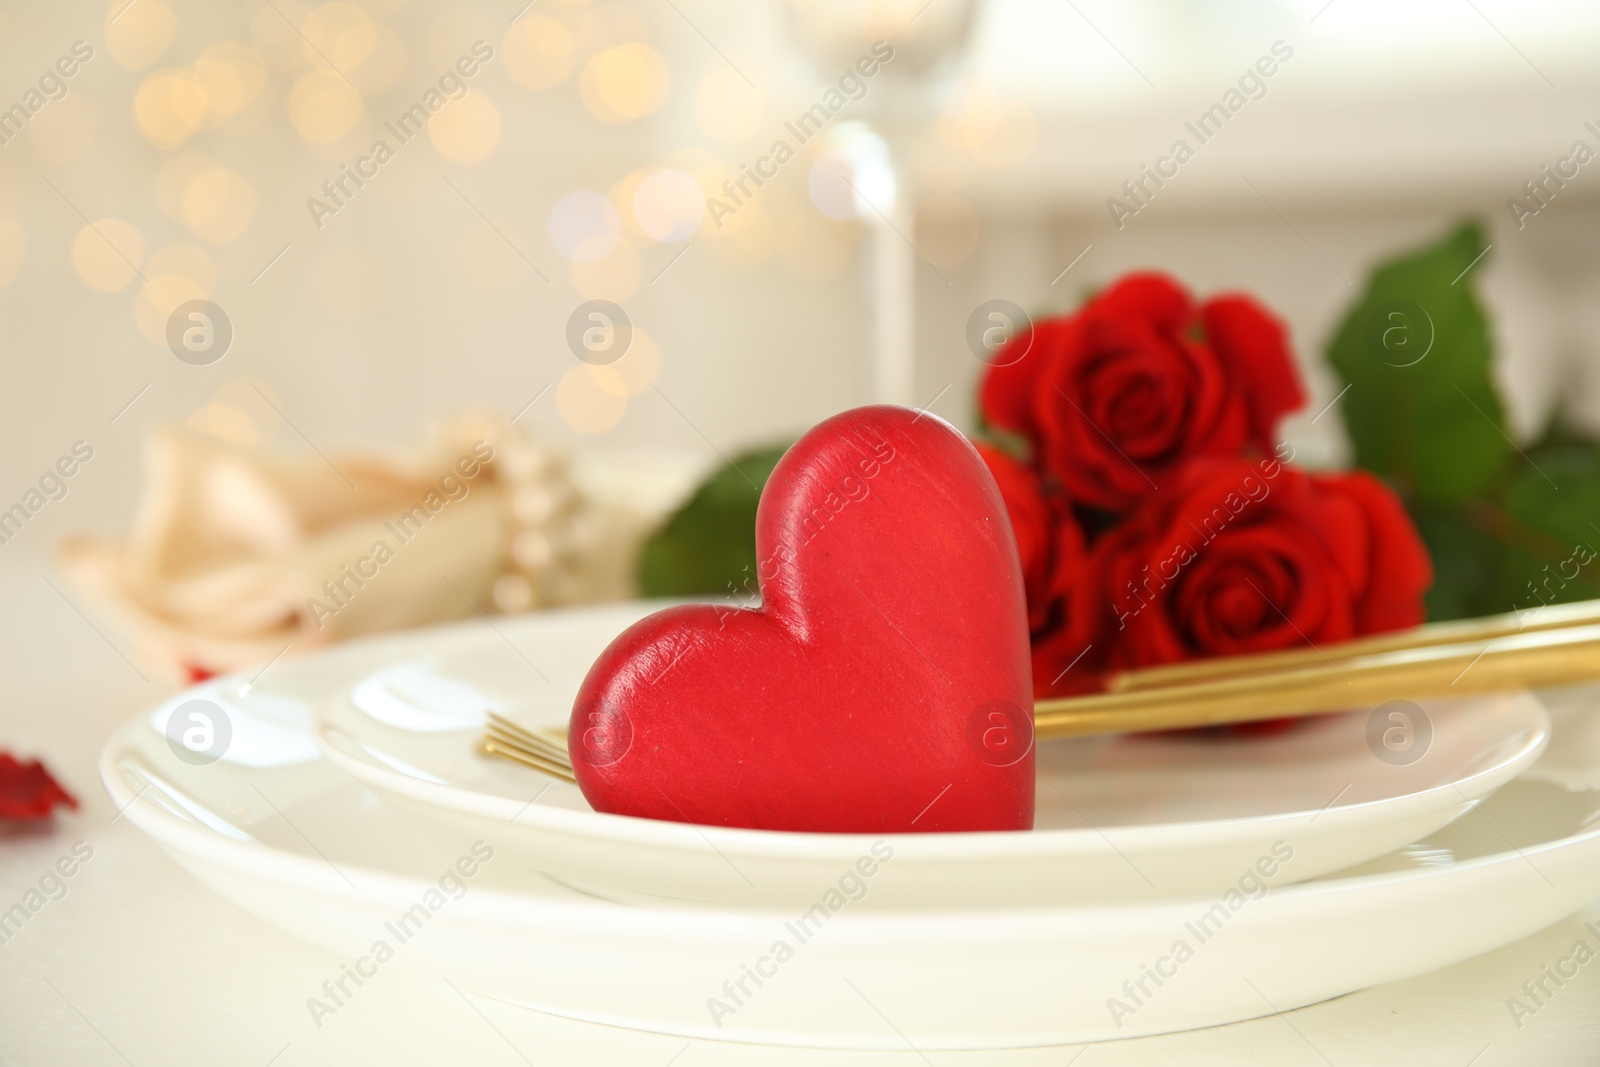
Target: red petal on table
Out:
[27,792]
[197,674]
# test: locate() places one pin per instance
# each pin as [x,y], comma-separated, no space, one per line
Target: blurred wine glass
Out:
[863,170]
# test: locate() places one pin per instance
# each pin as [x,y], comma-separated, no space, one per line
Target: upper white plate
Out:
[293,840]
[1118,818]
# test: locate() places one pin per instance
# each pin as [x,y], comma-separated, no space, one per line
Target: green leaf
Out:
[1539,543]
[710,542]
[1421,409]
[1466,562]
[1551,524]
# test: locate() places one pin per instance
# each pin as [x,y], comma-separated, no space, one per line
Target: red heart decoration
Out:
[881,686]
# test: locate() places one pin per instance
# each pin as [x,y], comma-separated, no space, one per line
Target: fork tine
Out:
[504,724]
[528,741]
[525,761]
[554,735]
[497,747]
[543,750]
[544,746]
[550,753]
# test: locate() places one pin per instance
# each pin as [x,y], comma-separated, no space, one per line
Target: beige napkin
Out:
[235,555]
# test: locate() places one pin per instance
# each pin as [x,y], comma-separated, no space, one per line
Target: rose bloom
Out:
[1033,523]
[1236,556]
[1052,550]
[1114,398]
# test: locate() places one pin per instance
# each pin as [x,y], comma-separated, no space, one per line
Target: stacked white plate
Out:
[1171,882]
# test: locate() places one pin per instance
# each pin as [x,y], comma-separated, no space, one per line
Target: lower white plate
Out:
[293,840]
[1119,818]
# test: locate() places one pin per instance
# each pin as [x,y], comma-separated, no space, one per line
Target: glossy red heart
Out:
[882,684]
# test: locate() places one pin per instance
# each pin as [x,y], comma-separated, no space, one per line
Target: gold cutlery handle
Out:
[1455,631]
[1515,661]
[1452,632]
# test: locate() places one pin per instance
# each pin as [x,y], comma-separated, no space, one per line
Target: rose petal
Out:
[28,792]
[1254,345]
[1033,525]
[1398,566]
[1007,393]
[1156,298]
[1066,664]
[1237,556]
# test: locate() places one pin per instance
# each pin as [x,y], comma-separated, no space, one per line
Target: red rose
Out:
[1068,660]
[1051,546]
[1116,397]
[1236,556]
[1066,657]
[1033,524]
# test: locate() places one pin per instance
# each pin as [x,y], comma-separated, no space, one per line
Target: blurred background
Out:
[186,157]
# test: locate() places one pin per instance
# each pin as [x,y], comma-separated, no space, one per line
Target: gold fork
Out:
[1430,661]
[543,750]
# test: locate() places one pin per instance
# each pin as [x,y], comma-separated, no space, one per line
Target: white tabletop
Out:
[140,964]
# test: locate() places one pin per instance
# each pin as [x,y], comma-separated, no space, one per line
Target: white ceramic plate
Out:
[295,841]
[1137,818]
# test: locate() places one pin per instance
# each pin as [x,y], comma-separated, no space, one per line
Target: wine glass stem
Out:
[892,289]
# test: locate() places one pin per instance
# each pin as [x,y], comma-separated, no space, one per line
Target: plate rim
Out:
[254,856]
[638,832]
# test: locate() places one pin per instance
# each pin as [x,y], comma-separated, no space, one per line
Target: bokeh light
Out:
[539,52]
[157,300]
[828,182]
[609,25]
[467,130]
[971,114]
[169,106]
[668,205]
[232,74]
[137,33]
[239,412]
[998,132]
[258,400]
[726,108]
[218,205]
[13,250]
[625,83]
[349,282]
[854,178]
[338,33]
[1013,141]
[621,197]
[106,253]
[176,273]
[225,421]
[186,261]
[323,107]
[591,399]
[585,226]
[172,181]
[640,364]
[750,235]
[276,38]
